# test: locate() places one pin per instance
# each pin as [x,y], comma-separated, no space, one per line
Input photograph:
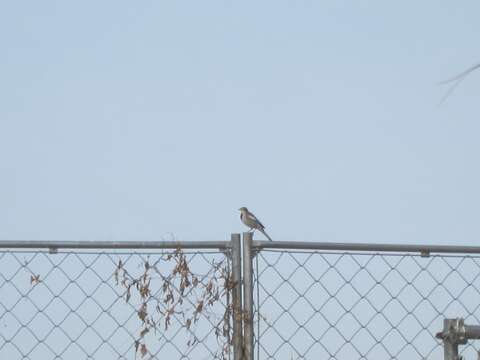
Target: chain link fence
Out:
[361,305]
[88,304]
[184,300]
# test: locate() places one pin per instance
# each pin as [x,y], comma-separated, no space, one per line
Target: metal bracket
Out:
[455,333]
[53,250]
[425,253]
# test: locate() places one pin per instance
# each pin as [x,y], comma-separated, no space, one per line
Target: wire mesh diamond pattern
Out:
[346,305]
[69,305]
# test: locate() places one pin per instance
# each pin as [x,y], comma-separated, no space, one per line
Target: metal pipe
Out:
[32,244]
[423,249]
[247,296]
[450,351]
[472,331]
[237,297]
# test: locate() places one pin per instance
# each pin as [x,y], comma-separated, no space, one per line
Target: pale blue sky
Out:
[127,120]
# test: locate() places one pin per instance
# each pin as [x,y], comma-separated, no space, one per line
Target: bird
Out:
[252,222]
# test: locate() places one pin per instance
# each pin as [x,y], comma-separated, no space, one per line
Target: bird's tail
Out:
[264,233]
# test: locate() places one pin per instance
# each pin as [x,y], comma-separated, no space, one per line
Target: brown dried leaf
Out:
[199,307]
[35,279]
[144,290]
[129,294]
[142,313]
[144,332]
[143,350]
[209,286]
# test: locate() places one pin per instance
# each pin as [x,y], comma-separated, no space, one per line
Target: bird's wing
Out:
[254,218]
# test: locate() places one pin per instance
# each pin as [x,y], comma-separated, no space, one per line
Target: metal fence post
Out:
[247,296]
[237,297]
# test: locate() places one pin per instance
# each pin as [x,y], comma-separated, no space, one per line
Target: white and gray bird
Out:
[252,222]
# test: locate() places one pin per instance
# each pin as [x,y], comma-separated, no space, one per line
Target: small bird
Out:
[252,222]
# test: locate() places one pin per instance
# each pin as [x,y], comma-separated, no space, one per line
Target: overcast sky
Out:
[145,120]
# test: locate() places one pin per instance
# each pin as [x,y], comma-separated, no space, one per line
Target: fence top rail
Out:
[331,246]
[113,245]
[221,245]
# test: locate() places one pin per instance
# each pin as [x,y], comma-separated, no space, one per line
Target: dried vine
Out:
[182,297]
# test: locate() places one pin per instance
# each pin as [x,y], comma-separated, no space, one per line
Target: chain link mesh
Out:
[344,305]
[69,306]
[309,304]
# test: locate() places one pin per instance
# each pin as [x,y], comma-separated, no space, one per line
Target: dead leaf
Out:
[35,279]
[143,350]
